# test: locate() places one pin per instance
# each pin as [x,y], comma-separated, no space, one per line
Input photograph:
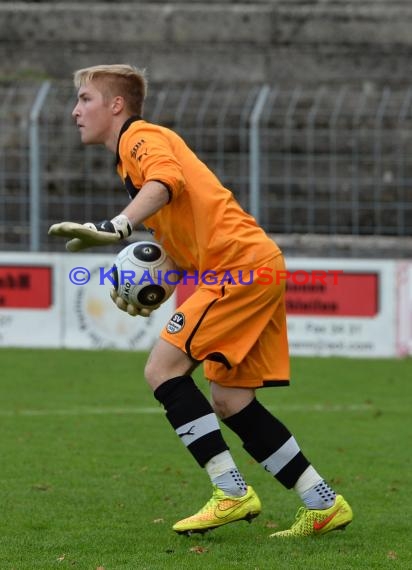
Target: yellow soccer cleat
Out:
[219,510]
[313,522]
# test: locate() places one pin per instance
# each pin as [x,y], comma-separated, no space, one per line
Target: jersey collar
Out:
[124,128]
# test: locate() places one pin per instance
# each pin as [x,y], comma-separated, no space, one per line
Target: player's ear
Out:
[117,104]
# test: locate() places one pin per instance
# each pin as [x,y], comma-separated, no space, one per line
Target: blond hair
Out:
[118,79]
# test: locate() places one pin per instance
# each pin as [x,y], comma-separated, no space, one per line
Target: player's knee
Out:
[228,402]
[158,371]
[166,361]
[221,406]
[154,373]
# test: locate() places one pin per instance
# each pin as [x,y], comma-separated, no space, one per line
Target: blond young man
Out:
[238,332]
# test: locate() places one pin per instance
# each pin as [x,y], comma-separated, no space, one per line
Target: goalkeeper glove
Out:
[90,234]
[132,310]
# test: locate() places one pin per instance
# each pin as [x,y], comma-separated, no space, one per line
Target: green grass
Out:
[92,476]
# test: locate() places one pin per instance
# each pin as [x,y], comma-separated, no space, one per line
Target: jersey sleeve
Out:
[150,153]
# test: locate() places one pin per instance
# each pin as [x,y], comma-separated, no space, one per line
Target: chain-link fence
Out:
[325,161]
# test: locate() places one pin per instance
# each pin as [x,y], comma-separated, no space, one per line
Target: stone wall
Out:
[293,41]
[362,45]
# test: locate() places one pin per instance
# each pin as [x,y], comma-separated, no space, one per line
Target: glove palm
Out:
[92,234]
[128,308]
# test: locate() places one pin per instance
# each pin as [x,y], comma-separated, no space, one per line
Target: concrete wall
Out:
[289,41]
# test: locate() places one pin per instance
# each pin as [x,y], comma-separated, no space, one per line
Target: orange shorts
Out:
[238,330]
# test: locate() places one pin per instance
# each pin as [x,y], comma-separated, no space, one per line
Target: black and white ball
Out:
[144,275]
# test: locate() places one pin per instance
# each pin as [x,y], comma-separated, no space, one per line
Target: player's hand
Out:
[92,234]
[128,308]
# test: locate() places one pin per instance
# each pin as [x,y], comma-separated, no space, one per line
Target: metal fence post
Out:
[356,144]
[254,152]
[288,159]
[311,158]
[221,132]
[377,159]
[35,165]
[333,161]
[401,171]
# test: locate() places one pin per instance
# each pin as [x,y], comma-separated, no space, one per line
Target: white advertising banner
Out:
[345,307]
[404,328]
[342,307]
[30,308]
[91,318]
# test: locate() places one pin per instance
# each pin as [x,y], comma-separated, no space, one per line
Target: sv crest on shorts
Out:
[176,323]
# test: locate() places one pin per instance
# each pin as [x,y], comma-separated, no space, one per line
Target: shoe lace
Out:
[211,501]
[299,516]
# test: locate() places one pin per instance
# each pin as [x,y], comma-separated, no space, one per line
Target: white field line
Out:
[104,411]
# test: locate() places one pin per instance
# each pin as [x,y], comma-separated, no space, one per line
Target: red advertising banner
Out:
[321,293]
[25,287]
[339,295]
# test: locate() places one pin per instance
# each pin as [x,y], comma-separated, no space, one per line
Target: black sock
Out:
[192,417]
[269,442]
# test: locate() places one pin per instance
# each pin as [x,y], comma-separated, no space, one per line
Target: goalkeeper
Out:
[237,332]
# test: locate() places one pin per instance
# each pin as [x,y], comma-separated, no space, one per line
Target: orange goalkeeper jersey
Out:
[202,227]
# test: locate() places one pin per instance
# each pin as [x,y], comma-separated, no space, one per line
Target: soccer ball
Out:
[144,275]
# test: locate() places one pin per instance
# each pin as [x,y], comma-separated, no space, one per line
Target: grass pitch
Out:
[93,477]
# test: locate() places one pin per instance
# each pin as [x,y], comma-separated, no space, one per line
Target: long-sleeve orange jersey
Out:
[202,227]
